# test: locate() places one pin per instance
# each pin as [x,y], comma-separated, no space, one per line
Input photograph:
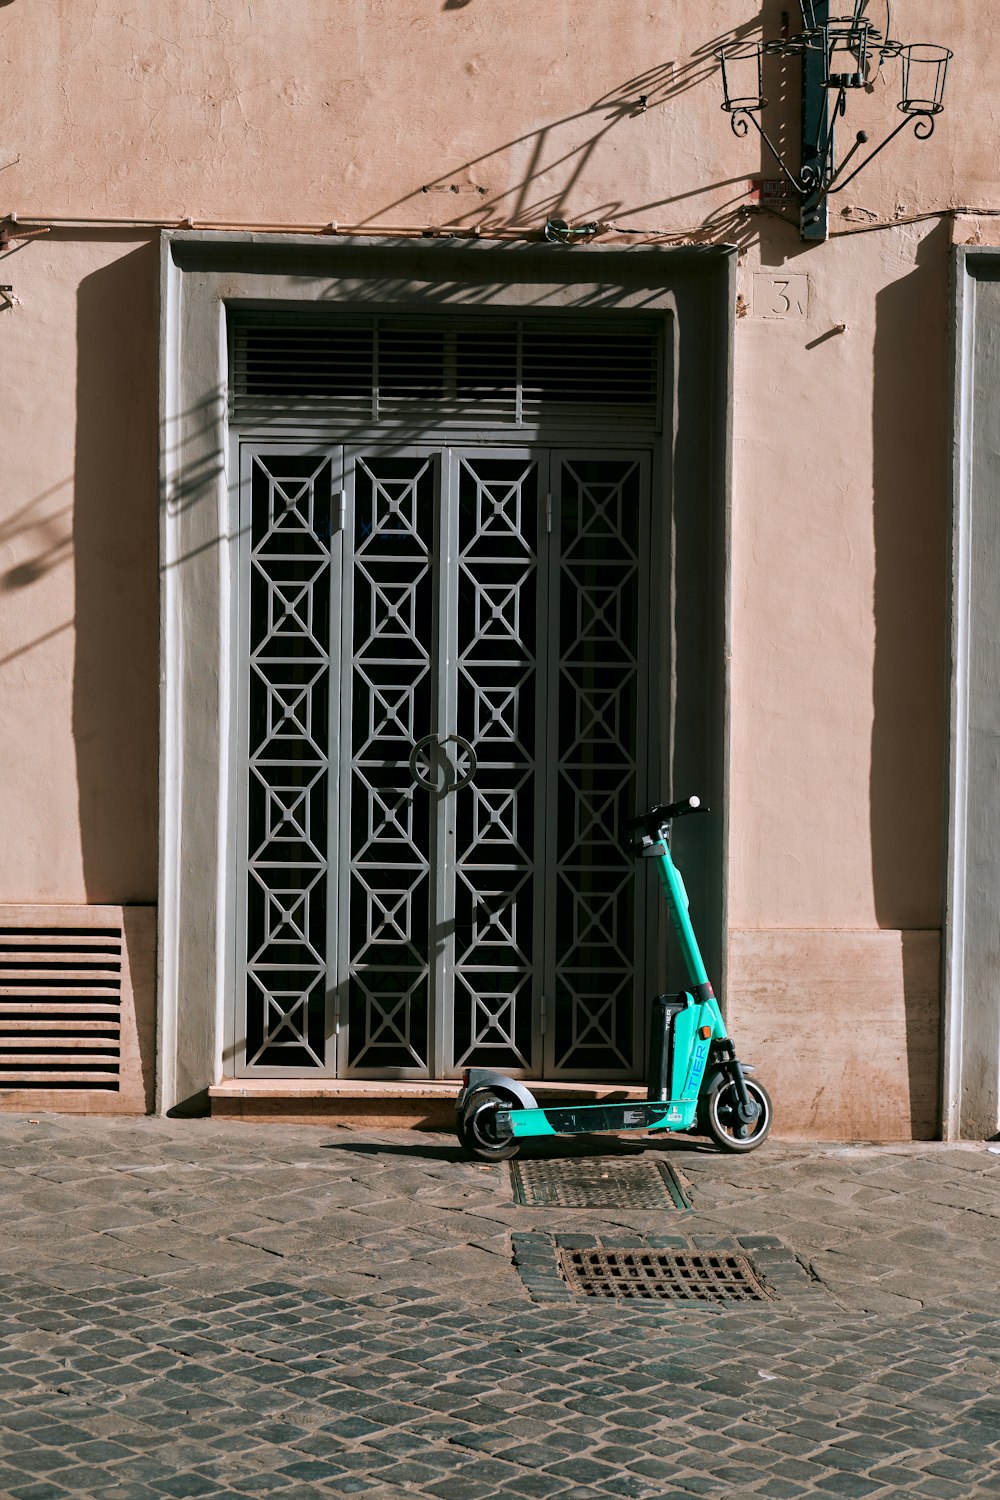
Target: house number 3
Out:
[780,296]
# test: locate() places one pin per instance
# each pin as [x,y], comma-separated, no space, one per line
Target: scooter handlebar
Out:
[657,817]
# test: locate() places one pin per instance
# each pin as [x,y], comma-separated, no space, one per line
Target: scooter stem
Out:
[677,904]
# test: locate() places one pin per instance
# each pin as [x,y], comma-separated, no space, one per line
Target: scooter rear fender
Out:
[486,1078]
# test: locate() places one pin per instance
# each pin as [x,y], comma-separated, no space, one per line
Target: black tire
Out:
[720,1120]
[477,1127]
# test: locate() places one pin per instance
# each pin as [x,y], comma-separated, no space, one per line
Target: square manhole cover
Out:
[597,1182]
[667,1275]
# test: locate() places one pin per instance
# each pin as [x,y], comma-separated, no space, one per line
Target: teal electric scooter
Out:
[695,1081]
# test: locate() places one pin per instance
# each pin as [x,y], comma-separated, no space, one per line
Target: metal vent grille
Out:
[596,1182]
[516,372]
[60,1007]
[641,1273]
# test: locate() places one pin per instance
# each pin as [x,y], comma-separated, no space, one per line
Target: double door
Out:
[443,720]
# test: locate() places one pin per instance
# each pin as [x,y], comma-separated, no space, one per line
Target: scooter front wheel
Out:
[477,1128]
[721,1118]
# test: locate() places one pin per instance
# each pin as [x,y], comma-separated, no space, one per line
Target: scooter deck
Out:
[591,1119]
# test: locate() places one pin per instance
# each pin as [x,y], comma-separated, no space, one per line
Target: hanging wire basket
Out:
[742,76]
[925,72]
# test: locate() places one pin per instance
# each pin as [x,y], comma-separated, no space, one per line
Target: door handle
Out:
[472,766]
[424,761]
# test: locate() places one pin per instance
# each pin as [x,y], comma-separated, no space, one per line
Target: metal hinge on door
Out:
[342,511]
[543,1012]
[548,514]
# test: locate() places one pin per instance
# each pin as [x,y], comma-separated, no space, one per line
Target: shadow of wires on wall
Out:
[911,487]
[40,533]
[115,518]
[557,155]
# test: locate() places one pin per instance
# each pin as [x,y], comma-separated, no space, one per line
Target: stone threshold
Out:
[377,1103]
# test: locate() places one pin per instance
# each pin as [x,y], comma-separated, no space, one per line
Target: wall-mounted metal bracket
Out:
[839,55]
[817,132]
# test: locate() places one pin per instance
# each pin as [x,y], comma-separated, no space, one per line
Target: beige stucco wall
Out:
[411,113]
[78,559]
[349,109]
[840,567]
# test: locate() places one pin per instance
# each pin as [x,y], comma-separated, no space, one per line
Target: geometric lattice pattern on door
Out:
[486,599]
[601,524]
[394,609]
[495,896]
[288,703]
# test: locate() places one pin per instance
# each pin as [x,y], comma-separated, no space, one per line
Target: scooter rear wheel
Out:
[477,1128]
[721,1118]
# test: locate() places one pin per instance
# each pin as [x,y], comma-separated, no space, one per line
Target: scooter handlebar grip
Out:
[663,813]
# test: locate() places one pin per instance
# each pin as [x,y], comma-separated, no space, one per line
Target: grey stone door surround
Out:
[972,915]
[203,274]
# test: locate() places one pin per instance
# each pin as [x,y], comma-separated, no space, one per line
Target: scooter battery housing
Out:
[660,1071]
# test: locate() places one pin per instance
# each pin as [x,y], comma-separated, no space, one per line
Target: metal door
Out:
[442,724]
[599,747]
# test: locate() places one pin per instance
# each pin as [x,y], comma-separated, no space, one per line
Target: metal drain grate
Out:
[596,1182]
[705,1277]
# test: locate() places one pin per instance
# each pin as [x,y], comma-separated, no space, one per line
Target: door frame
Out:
[971,1011]
[203,276]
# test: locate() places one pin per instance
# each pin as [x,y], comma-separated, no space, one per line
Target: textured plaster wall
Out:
[78,570]
[413,113]
[840,531]
[416,111]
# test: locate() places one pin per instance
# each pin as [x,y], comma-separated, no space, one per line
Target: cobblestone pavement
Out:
[209,1309]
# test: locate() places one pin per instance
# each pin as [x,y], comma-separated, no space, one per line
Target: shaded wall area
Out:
[115,546]
[78,571]
[910,425]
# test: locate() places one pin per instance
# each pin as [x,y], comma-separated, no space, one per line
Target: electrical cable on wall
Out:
[31,226]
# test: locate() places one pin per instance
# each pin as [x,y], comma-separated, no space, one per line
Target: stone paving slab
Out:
[223,1309]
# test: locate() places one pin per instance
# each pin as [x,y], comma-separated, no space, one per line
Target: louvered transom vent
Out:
[60,1007]
[521,373]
